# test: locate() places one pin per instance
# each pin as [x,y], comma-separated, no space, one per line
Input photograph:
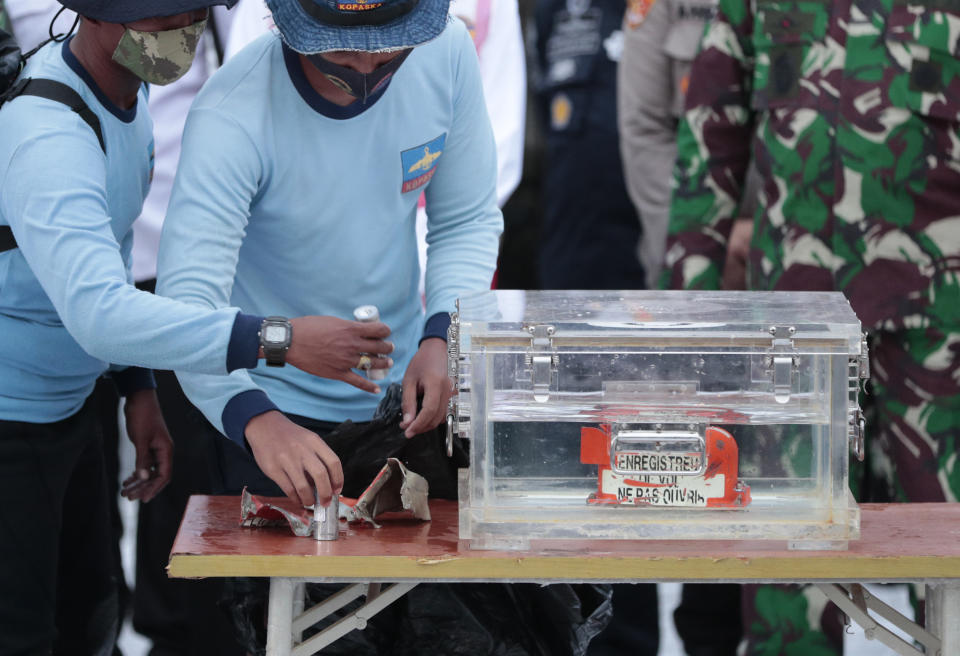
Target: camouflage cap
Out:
[128,11]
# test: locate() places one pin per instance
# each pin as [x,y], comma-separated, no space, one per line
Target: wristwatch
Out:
[276,333]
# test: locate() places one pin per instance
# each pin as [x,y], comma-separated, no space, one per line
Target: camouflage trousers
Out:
[913,425]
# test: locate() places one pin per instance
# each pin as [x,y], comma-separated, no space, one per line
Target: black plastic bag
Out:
[364,448]
[448,619]
[10,60]
[433,619]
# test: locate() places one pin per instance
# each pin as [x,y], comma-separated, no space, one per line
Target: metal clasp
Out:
[453,371]
[859,371]
[782,361]
[541,359]
[857,428]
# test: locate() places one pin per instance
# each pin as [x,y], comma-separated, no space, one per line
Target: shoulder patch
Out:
[637,11]
[420,163]
[561,111]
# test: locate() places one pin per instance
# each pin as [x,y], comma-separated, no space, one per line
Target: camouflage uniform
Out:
[852,109]
[660,39]
[4,19]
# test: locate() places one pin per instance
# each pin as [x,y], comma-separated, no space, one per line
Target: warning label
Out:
[686,491]
[658,462]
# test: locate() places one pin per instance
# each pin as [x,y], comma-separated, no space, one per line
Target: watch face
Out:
[275,334]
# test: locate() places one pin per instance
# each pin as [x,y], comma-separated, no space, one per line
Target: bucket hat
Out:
[312,26]
[128,11]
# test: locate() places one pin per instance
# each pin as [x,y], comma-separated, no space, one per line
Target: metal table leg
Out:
[280,617]
[943,616]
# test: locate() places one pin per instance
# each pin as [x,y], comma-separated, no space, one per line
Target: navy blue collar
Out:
[318,102]
[125,115]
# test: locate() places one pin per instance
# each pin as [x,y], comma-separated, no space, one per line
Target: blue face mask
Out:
[359,85]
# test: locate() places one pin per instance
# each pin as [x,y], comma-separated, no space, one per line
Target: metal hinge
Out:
[856,430]
[541,359]
[453,371]
[863,359]
[859,370]
[782,361]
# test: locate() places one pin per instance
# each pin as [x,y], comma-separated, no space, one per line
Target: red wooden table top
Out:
[899,542]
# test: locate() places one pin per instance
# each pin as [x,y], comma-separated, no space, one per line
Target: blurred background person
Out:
[852,113]
[589,228]
[660,42]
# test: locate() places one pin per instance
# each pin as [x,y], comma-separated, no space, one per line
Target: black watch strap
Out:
[276,335]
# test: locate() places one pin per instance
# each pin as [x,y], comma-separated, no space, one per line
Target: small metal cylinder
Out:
[326,519]
[367,314]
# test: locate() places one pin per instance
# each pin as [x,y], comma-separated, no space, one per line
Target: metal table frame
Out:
[899,543]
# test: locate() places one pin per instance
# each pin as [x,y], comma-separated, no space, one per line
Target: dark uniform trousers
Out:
[58,577]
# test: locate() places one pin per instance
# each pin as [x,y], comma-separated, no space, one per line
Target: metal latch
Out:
[782,361]
[541,359]
[453,371]
[863,360]
[859,371]
[856,429]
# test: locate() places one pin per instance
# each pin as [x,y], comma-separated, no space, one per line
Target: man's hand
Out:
[738,249]
[295,458]
[426,376]
[331,348]
[148,433]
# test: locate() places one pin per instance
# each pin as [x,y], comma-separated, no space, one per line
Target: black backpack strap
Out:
[7,242]
[61,93]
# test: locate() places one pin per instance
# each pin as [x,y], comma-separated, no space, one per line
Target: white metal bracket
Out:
[854,600]
[284,631]
[541,359]
[782,361]
[859,371]
[453,372]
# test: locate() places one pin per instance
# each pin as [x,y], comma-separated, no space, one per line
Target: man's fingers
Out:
[133,491]
[359,381]
[142,460]
[287,486]
[374,330]
[152,489]
[433,409]
[163,452]
[332,464]
[317,471]
[408,401]
[428,409]
[376,347]
[302,484]
[380,362]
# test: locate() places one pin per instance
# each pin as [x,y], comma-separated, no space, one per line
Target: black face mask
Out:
[359,85]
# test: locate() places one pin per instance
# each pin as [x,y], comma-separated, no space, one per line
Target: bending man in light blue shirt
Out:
[301,165]
[74,170]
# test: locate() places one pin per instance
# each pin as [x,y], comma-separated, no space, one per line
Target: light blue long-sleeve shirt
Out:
[67,307]
[285,200]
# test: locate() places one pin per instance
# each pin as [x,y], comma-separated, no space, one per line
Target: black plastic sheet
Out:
[9,60]
[435,619]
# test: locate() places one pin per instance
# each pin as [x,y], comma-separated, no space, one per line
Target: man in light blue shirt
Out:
[75,165]
[302,161]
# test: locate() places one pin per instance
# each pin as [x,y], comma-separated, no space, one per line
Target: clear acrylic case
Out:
[657,415]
